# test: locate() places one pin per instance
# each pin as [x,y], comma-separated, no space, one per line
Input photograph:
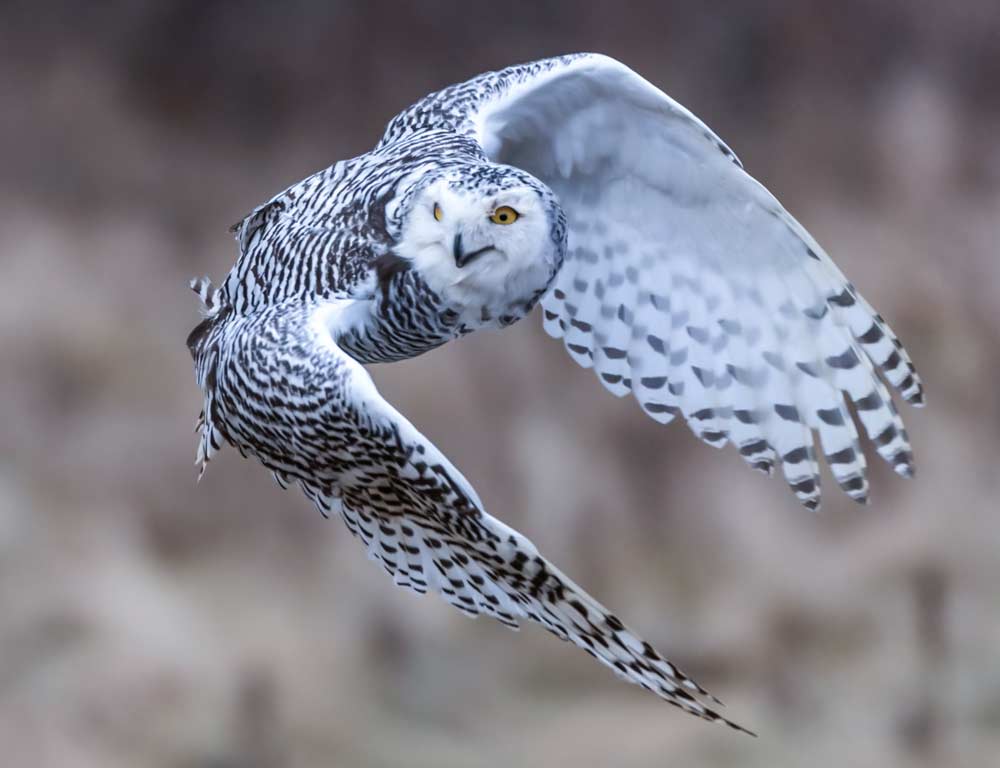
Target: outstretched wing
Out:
[278,386]
[688,284]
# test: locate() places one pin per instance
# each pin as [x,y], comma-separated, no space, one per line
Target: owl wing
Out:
[687,283]
[279,387]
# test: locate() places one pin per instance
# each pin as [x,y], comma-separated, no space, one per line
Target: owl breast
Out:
[404,317]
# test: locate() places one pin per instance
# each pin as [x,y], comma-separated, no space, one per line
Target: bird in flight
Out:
[657,259]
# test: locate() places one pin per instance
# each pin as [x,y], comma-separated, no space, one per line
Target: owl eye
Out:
[504,215]
[438,213]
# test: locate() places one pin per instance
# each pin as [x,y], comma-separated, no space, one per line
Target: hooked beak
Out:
[461,257]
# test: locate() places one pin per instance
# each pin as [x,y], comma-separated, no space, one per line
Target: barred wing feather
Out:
[687,283]
[289,395]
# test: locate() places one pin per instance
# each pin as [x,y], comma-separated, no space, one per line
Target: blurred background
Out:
[149,621]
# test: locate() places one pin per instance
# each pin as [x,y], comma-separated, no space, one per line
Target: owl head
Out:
[486,238]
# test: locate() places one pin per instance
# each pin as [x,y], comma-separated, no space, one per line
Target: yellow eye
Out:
[438,213]
[504,215]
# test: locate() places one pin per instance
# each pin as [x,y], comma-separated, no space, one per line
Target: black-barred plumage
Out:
[658,260]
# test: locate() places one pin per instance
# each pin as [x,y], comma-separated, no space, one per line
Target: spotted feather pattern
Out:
[762,361]
[289,395]
[687,284]
[671,273]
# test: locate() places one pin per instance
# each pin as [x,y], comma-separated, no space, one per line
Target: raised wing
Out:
[278,386]
[689,285]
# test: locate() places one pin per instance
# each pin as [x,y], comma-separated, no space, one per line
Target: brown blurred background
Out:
[147,621]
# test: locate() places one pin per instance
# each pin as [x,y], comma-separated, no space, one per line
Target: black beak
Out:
[462,258]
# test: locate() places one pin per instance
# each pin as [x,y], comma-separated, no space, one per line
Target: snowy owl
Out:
[660,263]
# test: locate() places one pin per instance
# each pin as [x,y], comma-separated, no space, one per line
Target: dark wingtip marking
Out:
[673,410]
[806,486]
[730,723]
[902,462]
[753,448]
[872,335]
[844,456]
[870,402]
[787,412]
[845,361]
[843,299]
[714,436]
[886,436]
[796,455]
[853,484]
[832,416]
[818,312]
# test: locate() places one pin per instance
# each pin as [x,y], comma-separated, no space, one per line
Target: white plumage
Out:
[688,284]
[659,262]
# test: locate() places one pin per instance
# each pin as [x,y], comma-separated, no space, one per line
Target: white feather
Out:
[659,197]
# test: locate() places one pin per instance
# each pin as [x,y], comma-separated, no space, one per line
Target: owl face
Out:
[484,245]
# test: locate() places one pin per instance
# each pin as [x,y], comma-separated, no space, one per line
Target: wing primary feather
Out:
[750,331]
[312,415]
